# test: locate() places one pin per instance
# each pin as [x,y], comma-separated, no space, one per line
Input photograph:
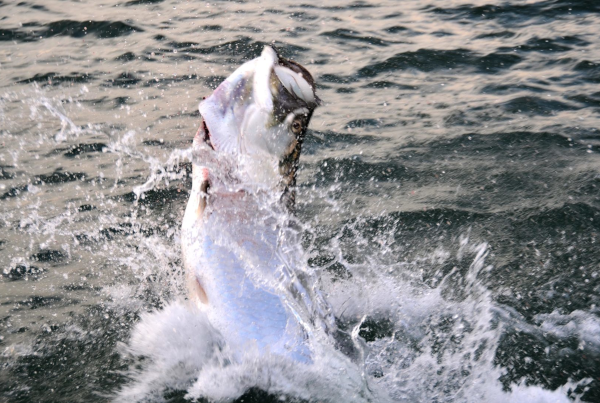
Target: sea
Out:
[448,198]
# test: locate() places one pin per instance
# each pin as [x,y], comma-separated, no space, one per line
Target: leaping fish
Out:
[240,252]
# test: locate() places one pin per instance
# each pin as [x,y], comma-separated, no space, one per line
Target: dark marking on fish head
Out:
[298,68]
[285,102]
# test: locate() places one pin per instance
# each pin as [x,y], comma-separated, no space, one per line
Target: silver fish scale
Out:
[247,260]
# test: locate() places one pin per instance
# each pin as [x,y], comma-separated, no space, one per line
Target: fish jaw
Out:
[239,110]
[224,109]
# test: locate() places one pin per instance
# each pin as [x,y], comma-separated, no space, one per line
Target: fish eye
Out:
[296,126]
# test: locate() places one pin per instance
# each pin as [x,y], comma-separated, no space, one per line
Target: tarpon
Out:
[241,255]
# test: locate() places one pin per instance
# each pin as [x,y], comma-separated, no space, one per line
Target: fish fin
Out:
[199,195]
[196,291]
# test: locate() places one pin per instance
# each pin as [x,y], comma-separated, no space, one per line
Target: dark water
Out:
[449,186]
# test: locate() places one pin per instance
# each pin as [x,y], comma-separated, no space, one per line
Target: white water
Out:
[441,350]
[442,347]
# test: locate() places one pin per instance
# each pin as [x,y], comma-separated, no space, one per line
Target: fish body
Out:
[242,258]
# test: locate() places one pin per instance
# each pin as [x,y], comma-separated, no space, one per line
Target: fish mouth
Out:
[259,116]
[257,109]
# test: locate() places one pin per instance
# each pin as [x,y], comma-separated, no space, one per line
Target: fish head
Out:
[260,115]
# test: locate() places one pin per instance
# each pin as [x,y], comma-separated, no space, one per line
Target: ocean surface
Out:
[449,195]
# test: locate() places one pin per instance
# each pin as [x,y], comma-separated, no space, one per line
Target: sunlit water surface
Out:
[448,196]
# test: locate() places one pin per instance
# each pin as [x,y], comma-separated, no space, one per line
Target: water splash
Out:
[440,344]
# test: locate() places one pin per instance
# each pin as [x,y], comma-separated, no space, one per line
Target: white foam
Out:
[182,351]
[585,326]
[441,349]
[177,341]
[442,345]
